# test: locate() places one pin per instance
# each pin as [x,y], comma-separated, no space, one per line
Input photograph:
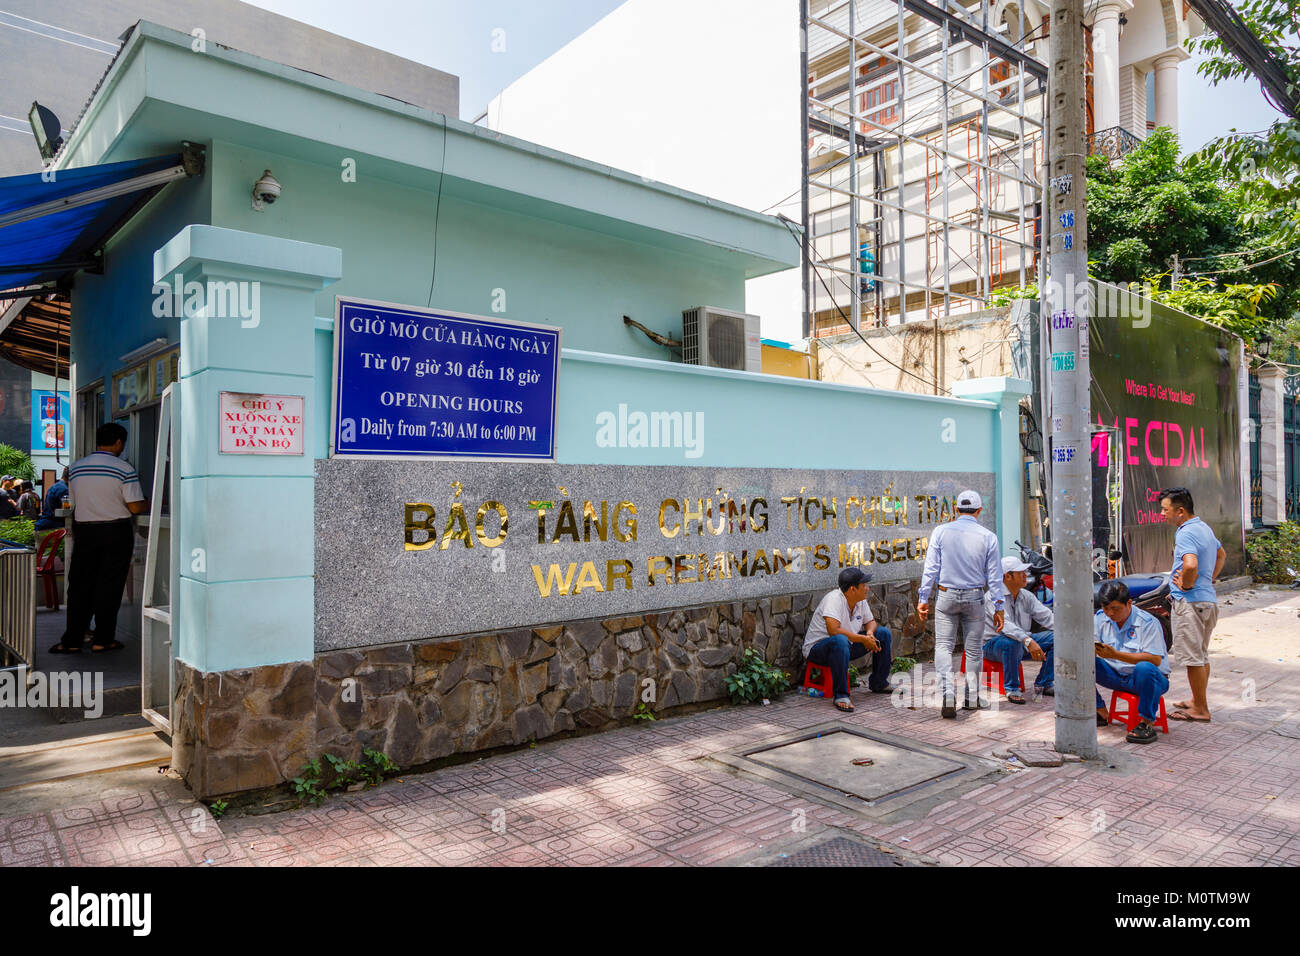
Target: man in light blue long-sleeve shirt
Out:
[963,560]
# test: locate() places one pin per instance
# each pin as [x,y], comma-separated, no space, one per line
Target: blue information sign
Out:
[411,382]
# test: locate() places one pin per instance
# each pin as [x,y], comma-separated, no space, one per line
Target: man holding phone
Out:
[1131,657]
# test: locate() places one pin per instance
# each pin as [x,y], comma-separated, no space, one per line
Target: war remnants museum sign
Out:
[421,383]
[416,549]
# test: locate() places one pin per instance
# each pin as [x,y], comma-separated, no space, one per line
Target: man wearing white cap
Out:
[962,561]
[1009,647]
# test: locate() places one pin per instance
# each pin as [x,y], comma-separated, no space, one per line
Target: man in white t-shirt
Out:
[843,629]
[105,492]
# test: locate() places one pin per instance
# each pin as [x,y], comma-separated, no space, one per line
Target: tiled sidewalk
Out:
[1226,793]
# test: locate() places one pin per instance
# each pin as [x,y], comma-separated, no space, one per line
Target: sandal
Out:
[60,649]
[102,648]
[844,704]
[1015,697]
[1184,715]
[1143,733]
[1103,717]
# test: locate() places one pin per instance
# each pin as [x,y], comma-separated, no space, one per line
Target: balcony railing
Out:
[1112,143]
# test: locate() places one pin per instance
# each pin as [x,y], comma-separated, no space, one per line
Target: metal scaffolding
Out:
[937,202]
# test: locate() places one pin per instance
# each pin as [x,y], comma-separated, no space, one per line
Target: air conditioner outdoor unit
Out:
[721,339]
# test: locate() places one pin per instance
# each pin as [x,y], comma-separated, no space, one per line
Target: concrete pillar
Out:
[1166,68]
[245,520]
[1272,446]
[243,711]
[1105,64]
[1005,393]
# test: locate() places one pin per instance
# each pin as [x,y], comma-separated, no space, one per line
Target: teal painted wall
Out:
[112,313]
[550,272]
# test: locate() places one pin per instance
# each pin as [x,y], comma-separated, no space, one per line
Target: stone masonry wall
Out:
[422,700]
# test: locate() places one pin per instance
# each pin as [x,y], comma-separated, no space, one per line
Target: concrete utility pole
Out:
[1068,309]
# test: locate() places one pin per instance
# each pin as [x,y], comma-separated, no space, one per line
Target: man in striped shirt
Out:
[105,493]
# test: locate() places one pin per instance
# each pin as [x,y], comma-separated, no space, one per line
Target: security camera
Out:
[265,190]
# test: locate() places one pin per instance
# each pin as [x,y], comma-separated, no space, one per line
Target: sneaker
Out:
[949,708]
[981,703]
[1048,691]
[887,689]
[1143,733]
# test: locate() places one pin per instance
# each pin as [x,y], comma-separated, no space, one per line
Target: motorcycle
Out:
[1040,578]
[1150,592]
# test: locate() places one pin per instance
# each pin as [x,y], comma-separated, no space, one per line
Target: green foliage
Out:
[1001,298]
[1270,553]
[14,461]
[756,679]
[346,772]
[1266,164]
[375,765]
[372,768]
[19,531]
[1235,307]
[218,808]
[643,712]
[1150,206]
[307,784]
[854,674]
[901,665]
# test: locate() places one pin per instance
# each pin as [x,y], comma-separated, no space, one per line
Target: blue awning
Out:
[52,223]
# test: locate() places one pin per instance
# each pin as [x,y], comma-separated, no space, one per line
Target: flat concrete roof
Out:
[158,92]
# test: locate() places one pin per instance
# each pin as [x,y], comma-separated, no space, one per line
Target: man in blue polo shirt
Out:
[1198,561]
[1130,646]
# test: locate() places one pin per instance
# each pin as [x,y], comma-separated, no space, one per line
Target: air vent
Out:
[719,338]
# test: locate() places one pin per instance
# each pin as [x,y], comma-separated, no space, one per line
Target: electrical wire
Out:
[799,240]
[437,211]
[1253,265]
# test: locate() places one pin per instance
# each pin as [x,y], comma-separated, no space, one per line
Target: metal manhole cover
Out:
[874,774]
[832,760]
[839,851]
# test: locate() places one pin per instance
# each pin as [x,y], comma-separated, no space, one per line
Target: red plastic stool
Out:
[995,667]
[826,685]
[1129,716]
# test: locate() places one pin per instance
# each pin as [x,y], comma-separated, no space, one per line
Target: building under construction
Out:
[924,157]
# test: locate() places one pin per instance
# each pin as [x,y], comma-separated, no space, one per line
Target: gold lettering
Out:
[623,573]
[461,533]
[851,520]
[553,580]
[690,514]
[589,517]
[900,549]
[628,531]
[821,557]
[762,514]
[414,524]
[566,523]
[500,509]
[659,566]
[663,511]
[587,578]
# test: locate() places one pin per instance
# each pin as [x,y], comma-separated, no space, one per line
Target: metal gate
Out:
[17,604]
[1291,439]
[161,594]
[1256,474]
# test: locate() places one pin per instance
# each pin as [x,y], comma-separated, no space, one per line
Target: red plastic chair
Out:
[1129,716]
[995,667]
[826,684]
[45,569]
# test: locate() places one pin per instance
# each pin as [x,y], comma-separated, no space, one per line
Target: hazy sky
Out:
[490,43]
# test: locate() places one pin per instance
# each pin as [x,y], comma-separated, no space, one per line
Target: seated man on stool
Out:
[843,629]
[1131,657]
[1023,610]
